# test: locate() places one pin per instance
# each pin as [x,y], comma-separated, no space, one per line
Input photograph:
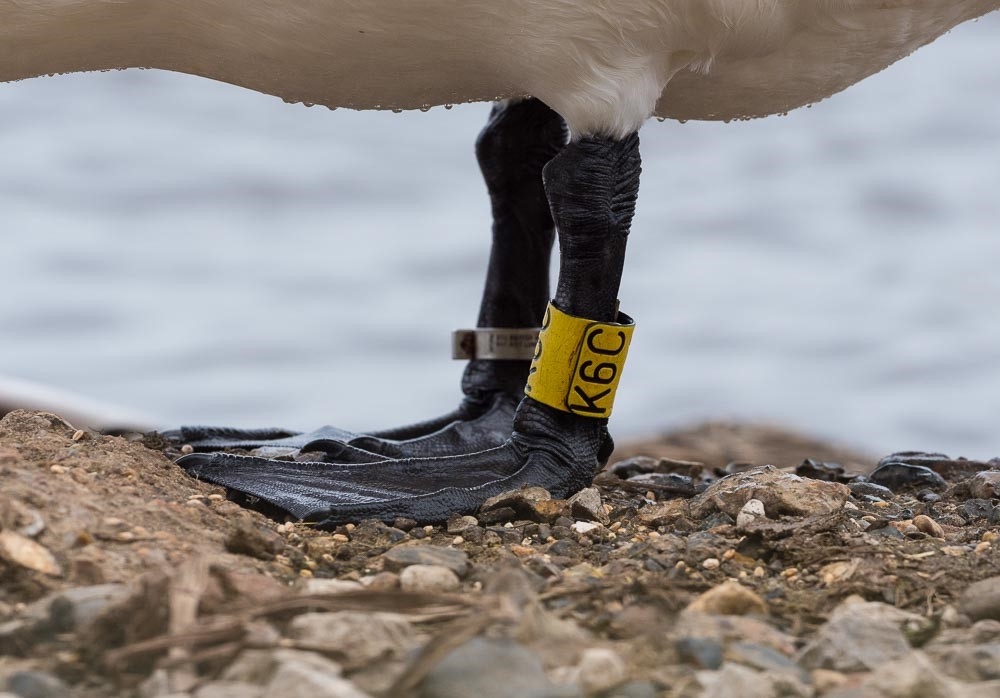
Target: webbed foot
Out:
[557,438]
[548,448]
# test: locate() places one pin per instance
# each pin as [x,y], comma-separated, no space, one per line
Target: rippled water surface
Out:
[208,254]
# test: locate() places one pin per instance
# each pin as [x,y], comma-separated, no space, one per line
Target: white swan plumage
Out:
[604,65]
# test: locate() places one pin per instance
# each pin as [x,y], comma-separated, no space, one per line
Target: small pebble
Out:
[599,669]
[79,434]
[983,547]
[24,552]
[728,599]
[404,524]
[57,469]
[826,680]
[36,684]
[457,540]
[340,537]
[458,525]
[187,449]
[750,512]
[710,563]
[926,524]
[428,578]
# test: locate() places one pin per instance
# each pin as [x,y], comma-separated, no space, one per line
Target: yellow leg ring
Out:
[578,362]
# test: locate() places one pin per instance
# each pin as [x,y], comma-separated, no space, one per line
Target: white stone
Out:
[228,689]
[428,578]
[362,637]
[330,586]
[751,511]
[600,669]
[299,680]
[260,666]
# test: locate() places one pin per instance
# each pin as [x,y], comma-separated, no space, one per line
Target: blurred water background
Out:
[206,254]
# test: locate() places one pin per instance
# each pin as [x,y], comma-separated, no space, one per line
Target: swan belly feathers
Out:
[604,65]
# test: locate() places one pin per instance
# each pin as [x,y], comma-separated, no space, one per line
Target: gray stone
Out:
[362,637]
[782,494]
[981,600]
[750,512]
[77,608]
[246,538]
[599,669]
[871,490]
[156,684]
[633,689]
[516,498]
[736,680]
[967,662]
[486,668]
[229,689]
[726,630]
[37,684]
[912,676]
[986,631]
[587,504]
[330,586]
[17,637]
[985,485]
[402,556]
[700,652]
[900,476]
[304,680]
[985,689]
[765,659]
[59,612]
[428,578]
[860,636]
[532,503]
[459,525]
[259,666]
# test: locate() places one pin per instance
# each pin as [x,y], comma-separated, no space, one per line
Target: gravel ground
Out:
[717,561]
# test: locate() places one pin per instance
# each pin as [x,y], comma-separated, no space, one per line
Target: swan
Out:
[572,83]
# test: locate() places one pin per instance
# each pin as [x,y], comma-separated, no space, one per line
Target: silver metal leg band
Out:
[495,343]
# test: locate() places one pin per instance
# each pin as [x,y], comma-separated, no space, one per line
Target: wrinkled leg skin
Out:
[516,143]
[591,187]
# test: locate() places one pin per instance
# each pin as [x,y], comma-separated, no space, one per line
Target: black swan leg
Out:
[559,430]
[516,143]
